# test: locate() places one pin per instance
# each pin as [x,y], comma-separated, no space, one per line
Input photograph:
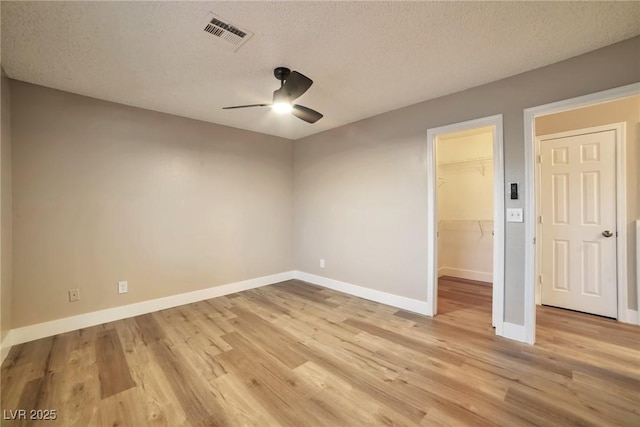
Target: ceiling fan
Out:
[292,85]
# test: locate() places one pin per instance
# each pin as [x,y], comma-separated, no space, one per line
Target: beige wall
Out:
[361,189]
[625,110]
[467,190]
[5,211]
[104,192]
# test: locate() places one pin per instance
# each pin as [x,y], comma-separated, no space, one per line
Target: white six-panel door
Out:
[578,222]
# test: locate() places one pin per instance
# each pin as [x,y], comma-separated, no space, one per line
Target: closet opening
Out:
[466,195]
[464,176]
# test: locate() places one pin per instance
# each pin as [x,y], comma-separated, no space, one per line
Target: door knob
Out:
[607,233]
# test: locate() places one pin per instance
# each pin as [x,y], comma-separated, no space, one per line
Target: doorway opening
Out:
[580,155]
[466,210]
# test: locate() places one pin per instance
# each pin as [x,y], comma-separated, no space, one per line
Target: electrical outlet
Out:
[74,295]
[123,287]
[322,263]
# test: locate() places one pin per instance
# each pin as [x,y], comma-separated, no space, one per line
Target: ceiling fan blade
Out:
[295,85]
[306,114]
[246,106]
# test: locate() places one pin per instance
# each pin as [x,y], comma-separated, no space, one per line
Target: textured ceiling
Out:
[364,57]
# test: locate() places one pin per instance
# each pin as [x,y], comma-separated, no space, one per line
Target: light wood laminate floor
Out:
[299,355]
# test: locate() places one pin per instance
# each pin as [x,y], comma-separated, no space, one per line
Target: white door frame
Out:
[498,213]
[621,208]
[530,269]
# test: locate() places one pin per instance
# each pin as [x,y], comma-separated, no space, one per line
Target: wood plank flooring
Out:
[294,354]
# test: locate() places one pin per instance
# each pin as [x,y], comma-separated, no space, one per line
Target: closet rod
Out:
[468,161]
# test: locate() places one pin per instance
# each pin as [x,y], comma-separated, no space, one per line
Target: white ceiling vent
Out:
[222,29]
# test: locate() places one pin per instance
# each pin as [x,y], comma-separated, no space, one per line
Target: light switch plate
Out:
[514,215]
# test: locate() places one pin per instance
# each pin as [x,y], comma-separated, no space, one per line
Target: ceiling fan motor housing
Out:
[281,73]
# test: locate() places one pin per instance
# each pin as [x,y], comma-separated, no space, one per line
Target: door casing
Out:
[498,214]
[530,268]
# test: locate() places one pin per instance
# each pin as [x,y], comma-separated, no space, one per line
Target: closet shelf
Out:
[467,161]
[480,162]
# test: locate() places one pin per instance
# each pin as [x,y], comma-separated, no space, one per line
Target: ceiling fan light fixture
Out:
[292,85]
[282,107]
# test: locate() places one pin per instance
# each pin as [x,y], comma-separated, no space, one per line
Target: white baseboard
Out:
[5,346]
[466,274]
[409,304]
[54,327]
[514,332]
[632,317]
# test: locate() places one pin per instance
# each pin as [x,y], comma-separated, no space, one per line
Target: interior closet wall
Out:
[465,204]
